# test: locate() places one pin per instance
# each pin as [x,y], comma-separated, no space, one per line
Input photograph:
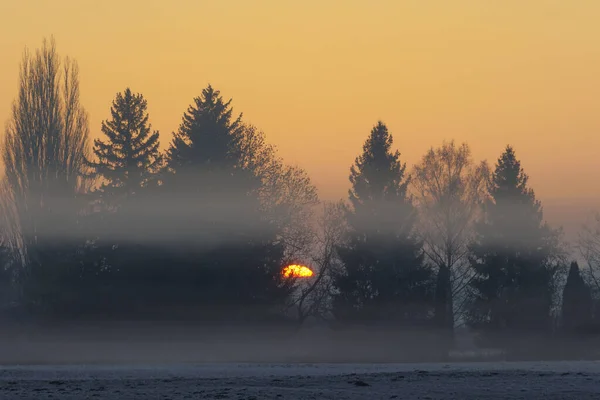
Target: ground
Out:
[565,380]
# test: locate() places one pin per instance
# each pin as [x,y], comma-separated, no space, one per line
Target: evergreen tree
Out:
[577,302]
[208,136]
[233,257]
[128,162]
[383,277]
[130,157]
[513,257]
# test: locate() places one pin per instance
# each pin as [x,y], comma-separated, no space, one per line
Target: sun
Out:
[297,271]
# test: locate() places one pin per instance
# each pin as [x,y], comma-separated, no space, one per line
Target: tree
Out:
[46,145]
[128,163]
[233,259]
[577,304]
[9,267]
[313,298]
[208,137]
[514,257]
[383,277]
[206,178]
[449,188]
[130,157]
[286,193]
[588,244]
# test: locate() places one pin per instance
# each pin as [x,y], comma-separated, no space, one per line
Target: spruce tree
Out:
[232,256]
[383,277]
[512,257]
[129,159]
[127,163]
[208,137]
[577,302]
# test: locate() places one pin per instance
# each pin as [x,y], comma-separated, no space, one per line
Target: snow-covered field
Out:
[565,380]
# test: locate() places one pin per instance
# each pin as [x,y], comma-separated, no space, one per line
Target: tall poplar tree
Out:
[45,147]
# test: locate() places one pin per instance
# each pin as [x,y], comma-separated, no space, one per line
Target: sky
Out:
[316,75]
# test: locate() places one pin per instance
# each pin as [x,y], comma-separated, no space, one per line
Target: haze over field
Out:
[276,182]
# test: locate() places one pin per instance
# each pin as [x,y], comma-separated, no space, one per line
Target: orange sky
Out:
[317,75]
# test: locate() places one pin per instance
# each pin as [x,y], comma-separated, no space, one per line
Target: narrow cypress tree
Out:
[513,257]
[383,277]
[577,302]
[130,157]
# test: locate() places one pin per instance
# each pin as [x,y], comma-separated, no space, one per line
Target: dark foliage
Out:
[383,278]
[228,247]
[129,158]
[577,303]
[513,258]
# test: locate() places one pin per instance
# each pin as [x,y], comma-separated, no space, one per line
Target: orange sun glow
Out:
[297,271]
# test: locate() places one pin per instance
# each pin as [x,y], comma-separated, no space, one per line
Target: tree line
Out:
[115,228]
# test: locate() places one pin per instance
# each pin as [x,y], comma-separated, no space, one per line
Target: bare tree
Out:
[46,144]
[588,244]
[287,194]
[449,188]
[313,295]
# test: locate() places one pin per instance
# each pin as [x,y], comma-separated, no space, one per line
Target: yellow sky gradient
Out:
[317,75]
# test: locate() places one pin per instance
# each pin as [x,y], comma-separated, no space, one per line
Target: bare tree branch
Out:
[449,189]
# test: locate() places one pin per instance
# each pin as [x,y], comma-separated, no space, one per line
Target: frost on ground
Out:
[564,380]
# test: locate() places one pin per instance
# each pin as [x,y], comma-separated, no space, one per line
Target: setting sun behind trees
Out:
[297,271]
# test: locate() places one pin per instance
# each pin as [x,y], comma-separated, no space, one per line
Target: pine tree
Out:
[383,277]
[577,302]
[208,137]
[513,257]
[233,257]
[130,157]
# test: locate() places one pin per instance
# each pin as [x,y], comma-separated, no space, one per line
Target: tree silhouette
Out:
[513,257]
[286,193]
[314,297]
[449,189]
[121,253]
[383,277]
[577,304]
[208,137]
[232,256]
[46,145]
[130,157]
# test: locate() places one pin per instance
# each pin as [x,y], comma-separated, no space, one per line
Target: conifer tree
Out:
[127,163]
[383,277]
[233,257]
[577,303]
[208,137]
[513,257]
[130,156]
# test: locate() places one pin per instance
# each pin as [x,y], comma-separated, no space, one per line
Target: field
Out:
[568,380]
[149,361]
